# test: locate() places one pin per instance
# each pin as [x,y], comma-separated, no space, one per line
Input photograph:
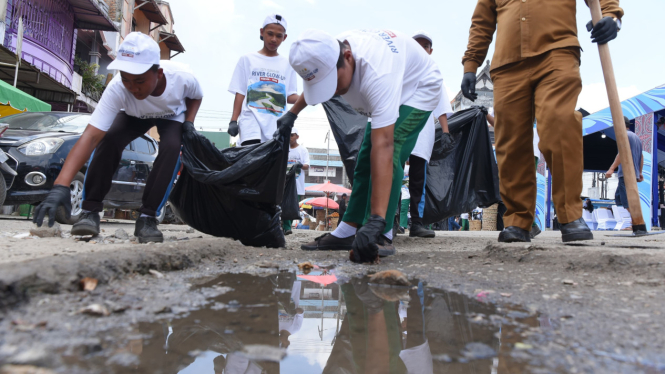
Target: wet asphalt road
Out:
[546,307]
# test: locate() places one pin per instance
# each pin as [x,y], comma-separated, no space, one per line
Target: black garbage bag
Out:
[459,179]
[235,192]
[467,177]
[290,209]
[348,127]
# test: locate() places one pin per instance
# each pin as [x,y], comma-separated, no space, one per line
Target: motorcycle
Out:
[4,168]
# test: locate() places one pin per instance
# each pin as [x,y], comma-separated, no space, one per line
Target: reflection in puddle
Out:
[324,325]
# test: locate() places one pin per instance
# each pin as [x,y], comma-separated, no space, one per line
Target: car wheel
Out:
[76,193]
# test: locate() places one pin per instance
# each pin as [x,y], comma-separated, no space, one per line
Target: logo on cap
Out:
[308,75]
[128,52]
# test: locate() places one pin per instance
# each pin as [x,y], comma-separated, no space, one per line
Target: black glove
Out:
[469,86]
[233,128]
[604,31]
[188,126]
[298,167]
[373,303]
[285,124]
[365,248]
[59,196]
[447,143]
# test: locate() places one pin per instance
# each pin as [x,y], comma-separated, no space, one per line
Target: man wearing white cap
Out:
[147,92]
[384,75]
[298,158]
[422,152]
[263,83]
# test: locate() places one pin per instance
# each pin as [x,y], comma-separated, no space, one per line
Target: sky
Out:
[216,33]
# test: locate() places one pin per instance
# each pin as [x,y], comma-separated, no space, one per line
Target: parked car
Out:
[38,143]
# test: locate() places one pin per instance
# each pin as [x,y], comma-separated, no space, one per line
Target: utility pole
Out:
[326,179]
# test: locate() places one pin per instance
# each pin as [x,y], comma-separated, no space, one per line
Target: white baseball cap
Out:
[294,131]
[314,57]
[424,35]
[137,53]
[275,18]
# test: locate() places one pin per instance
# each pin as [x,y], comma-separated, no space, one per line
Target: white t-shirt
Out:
[405,193]
[425,143]
[292,324]
[266,82]
[464,216]
[299,154]
[392,70]
[180,84]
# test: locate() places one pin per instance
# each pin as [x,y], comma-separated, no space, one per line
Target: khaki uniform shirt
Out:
[527,28]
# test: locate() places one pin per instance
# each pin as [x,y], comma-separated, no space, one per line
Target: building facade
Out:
[49,44]
[318,159]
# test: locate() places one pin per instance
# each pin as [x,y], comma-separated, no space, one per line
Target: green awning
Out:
[17,99]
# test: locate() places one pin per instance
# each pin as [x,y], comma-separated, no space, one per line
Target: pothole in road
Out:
[292,322]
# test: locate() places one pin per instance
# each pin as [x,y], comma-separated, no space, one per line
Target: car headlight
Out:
[41,146]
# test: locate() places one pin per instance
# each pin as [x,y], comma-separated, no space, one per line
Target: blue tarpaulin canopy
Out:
[648,102]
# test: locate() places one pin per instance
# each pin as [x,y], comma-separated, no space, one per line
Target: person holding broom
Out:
[536,76]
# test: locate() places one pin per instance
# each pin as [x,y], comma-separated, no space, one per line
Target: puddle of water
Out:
[323,325]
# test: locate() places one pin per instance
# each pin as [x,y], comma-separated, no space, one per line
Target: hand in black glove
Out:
[297,167]
[604,31]
[365,248]
[373,303]
[233,128]
[188,126]
[285,124]
[469,86]
[59,196]
[447,143]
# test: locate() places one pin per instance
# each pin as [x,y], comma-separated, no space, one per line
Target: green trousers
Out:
[407,128]
[287,225]
[465,225]
[404,213]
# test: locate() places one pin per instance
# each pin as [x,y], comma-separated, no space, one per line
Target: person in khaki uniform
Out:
[536,77]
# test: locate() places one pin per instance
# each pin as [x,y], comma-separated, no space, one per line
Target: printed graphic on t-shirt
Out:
[267,95]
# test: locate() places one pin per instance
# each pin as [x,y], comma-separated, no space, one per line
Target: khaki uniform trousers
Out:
[543,88]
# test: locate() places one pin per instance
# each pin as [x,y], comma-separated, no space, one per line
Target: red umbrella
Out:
[328,187]
[321,202]
[320,279]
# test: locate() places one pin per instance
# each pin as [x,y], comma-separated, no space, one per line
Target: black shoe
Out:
[576,230]
[514,234]
[329,242]
[400,230]
[288,232]
[88,224]
[146,230]
[419,231]
[386,247]
[535,231]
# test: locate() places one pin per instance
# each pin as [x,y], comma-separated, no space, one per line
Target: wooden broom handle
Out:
[625,154]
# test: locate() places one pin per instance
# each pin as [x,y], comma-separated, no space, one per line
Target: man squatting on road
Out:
[536,76]
[147,92]
[383,75]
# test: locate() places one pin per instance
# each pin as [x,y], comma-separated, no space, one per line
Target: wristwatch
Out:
[618,22]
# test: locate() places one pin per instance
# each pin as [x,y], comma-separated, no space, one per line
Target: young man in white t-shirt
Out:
[384,75]
[299,158]
[263,83]
[147,92]
[422,152]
